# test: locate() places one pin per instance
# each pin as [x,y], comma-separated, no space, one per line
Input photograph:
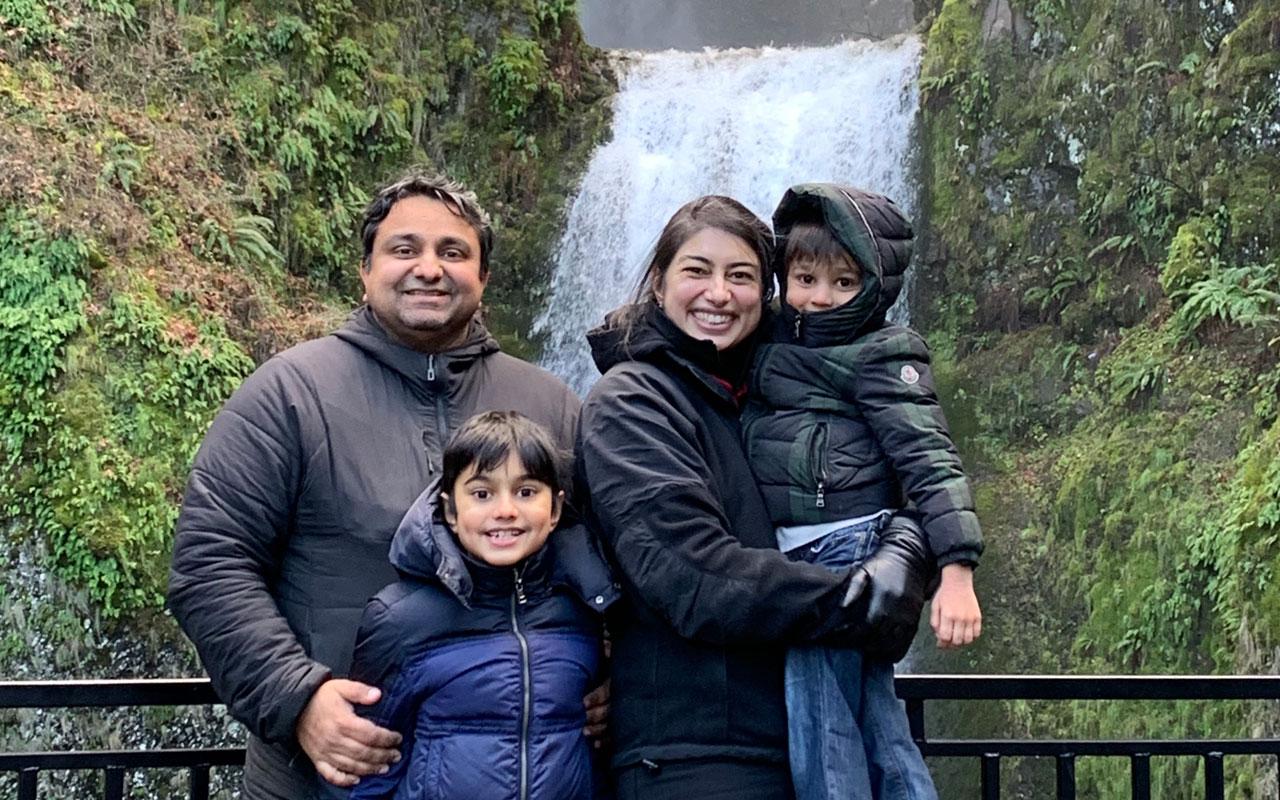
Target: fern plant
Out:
[1244,296]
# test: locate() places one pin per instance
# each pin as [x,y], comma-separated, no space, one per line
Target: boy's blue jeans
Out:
[848,731]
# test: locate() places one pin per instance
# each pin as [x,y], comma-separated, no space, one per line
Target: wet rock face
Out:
[691,25]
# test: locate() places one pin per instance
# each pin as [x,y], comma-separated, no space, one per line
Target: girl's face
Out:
[712,288]
[502,516]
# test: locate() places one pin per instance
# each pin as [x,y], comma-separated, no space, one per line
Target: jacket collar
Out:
[830,328]
[424,548]
[363,330]
[654,337]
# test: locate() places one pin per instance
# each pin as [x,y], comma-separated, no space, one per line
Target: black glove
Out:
[888,591]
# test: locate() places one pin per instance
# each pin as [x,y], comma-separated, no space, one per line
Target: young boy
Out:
[486,646]
[843,429]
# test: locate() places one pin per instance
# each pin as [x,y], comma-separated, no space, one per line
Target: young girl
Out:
[487,645]
[843,428]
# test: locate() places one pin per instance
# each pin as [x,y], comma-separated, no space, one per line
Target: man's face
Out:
[423,278]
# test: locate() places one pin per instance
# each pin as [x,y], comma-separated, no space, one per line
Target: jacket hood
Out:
[643,332]
[876,235]
[363,330]
[424,548]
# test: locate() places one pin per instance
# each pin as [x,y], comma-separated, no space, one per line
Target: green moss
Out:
[1103,340]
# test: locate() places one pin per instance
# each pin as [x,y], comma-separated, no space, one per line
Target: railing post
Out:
[199,782]
[28,780]
[1214,785]
[915,718]
[990,776]
[1067,776]
[115,783]
[1140,776]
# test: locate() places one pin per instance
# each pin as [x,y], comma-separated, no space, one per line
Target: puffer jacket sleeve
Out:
[650,497]
[230,535]
[378,661]
[894,389]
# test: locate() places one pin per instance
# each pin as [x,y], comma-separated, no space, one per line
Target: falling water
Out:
[746,123]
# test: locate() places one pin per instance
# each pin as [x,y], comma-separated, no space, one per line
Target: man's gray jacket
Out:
[294,497]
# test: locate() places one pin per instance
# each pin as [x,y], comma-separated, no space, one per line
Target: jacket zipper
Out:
[518,599]
[442,425]
[799,319]
[818,462]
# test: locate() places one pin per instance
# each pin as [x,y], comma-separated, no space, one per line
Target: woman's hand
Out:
[956,617]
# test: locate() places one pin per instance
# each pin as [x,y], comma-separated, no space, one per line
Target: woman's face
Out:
[712,288]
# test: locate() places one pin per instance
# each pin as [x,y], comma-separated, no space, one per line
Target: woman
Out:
[698,652]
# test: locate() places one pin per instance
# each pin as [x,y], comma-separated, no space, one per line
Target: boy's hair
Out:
[485,441]
[813,243]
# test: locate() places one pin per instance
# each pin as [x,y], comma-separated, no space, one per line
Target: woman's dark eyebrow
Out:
[692,257]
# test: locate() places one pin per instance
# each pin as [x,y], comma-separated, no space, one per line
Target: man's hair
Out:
[486,440]
[457,198]
[813,243]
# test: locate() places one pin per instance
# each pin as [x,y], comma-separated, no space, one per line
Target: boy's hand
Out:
[343,745]
[956,617]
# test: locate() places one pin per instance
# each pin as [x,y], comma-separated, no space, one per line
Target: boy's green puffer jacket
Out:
[843,419]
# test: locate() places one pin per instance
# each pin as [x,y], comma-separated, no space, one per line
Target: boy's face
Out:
[503,516]
[820,285]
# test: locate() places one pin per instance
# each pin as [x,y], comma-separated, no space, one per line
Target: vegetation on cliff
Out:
[1102,284]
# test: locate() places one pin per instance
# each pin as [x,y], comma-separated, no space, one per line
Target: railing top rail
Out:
[1089,687]
[197,691]
[107,693]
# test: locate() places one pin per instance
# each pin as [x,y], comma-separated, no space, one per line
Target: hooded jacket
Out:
[698,650]
[844,418]
[483,669]
[294,495]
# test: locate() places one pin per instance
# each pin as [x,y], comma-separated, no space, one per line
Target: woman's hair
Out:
[486,440]
[709,211]
[813,243]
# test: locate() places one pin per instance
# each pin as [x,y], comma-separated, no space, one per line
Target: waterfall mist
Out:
[746,123]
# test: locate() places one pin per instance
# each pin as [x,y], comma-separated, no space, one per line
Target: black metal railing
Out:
[114,763]
[916,690]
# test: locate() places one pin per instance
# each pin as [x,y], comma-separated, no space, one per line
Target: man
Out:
[303,478]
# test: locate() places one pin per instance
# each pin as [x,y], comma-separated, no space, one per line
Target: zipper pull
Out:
[431,368]
[822,494]
[520,596]
[799,318]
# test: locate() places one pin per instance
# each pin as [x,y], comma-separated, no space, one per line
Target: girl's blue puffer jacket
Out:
[483,669]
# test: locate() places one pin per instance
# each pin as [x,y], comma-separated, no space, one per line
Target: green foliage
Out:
[1245,296]
[1138,367]
[42,290]
[101,414]
[1133,145]
[29,22]
[517,75]
[246,243]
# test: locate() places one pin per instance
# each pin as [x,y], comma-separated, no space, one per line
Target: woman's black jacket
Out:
[698,649]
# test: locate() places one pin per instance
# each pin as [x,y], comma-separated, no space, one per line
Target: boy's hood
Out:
[872,230]
[424,548]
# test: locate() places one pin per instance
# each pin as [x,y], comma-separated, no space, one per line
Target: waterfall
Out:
[746,123]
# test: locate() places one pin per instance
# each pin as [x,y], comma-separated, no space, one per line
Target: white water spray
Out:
[746,123]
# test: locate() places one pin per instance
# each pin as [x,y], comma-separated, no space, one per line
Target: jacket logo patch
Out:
[909,375]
